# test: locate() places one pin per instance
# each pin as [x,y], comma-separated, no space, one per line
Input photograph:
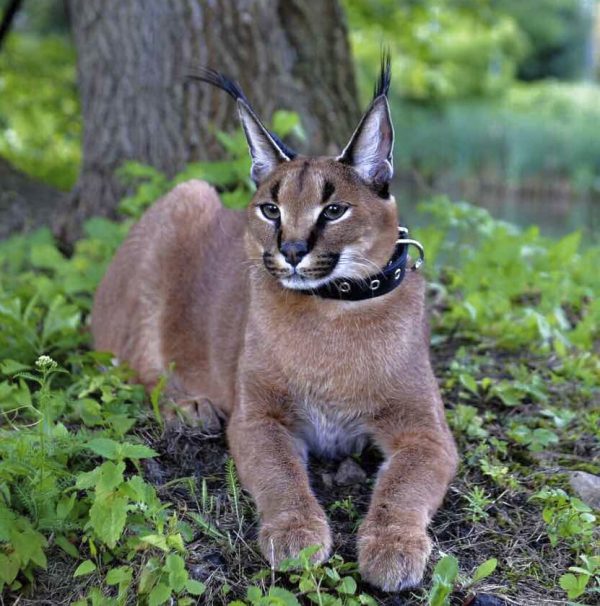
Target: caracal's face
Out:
[314,220]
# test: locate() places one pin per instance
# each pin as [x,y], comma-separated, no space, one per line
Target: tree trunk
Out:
[133,56]
[25,203]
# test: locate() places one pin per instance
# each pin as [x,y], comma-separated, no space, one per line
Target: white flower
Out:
[45,363]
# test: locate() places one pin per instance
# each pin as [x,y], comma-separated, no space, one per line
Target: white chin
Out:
[297,282]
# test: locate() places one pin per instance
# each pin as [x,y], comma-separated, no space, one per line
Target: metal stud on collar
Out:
[344,287]
[375,284]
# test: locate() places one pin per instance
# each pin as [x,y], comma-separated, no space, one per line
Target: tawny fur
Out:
[290,372]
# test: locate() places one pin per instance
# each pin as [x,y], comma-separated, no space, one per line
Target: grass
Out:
[99,505]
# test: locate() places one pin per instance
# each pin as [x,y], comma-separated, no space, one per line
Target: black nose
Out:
[293,252]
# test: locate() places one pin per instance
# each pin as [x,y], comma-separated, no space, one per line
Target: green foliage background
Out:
[40,121]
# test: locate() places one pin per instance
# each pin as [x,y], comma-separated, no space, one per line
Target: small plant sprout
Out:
[577,580]
[446,578]
[477,503]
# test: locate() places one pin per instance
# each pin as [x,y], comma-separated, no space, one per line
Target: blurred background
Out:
[496,102]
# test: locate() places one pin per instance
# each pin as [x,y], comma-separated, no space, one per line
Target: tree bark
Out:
[133,56]
[25,203]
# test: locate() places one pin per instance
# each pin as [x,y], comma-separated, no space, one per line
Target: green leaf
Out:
[307,584]
[137,451]
[573,585]
[65,506]
[110,477]
[283,596]
[9,567]
[178,575]
[159,595]
[485,570]
[108,515]
[61,317]
[253,594]
[28,544]
[195,587]
[66,546]
[438,596]
[88,479]
[285,122]
[469,382]
[84,568]
[348,586]
[156,540]
[105,447]
[46,256]
[116,576]
[447,569]
[149,575]
[11,367]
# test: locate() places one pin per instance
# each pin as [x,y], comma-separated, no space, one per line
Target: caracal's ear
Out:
[265,153]
[371,146]
[266,149]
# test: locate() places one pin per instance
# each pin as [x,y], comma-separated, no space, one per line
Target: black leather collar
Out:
[376,285]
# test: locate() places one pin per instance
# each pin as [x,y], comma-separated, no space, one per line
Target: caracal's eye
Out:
[334,211]
[270,211]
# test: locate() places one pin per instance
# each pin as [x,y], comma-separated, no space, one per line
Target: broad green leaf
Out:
[195,587]
[29,544]
[348,586]
[159,595]
[156,540]
[253,594]
[9,567]
[116,576]
[150,574]
[469,382]
[176,542]
[108,515]
[137,451]
[46,256]
[110,477]
[86,567]
[61,317]
[88,479]
[283,596]
[105,447]
[574,585]
[178,575]
[65,506]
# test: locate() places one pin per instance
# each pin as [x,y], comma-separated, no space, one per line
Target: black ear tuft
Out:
[382,86]
[370,148]
[212,76]
[233,89]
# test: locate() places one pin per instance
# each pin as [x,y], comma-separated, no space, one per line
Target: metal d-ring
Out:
[418,246]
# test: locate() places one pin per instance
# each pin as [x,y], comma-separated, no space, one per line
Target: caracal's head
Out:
[314,219]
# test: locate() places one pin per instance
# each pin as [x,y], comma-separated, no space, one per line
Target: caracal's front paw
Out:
[392,558]
[285,535]
[198,412]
